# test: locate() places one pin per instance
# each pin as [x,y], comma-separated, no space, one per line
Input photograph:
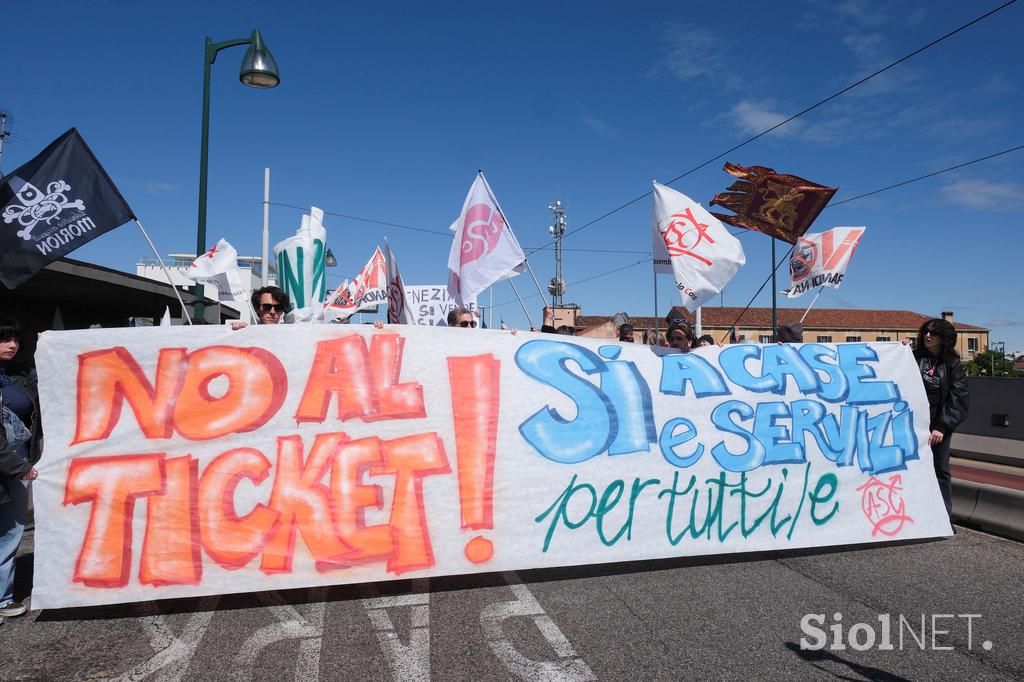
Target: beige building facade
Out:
[825,325]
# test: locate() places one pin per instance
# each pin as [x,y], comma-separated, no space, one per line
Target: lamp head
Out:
[259,70]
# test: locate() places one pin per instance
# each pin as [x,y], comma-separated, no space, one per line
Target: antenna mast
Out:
[556,287]
[3,135]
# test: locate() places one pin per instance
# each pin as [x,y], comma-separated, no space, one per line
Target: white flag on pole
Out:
[398,306]
[218,268]
[702,253]
[484,250]
[368,290]
[165,321]
[821,259]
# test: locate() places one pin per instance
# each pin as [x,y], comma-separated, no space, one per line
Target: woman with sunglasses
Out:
[20,446]
[945,384]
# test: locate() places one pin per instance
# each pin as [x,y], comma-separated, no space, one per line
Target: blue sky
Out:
[386,110]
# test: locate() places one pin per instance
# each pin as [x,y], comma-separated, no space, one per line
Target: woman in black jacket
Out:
[19,450]
[945,383]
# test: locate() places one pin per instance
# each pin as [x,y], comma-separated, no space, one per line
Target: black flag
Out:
[53,204]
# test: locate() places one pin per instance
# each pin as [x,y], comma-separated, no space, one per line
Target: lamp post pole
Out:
[258,70]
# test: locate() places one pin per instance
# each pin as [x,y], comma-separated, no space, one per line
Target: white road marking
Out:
[568,668]
[291,625]
[407,662]
[170,648]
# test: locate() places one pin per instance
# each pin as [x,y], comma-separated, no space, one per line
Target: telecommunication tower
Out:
[556,287]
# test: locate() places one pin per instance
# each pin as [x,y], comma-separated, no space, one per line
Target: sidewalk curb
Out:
[997,510]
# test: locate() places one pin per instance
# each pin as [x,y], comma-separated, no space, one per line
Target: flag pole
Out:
[775,304]
[184,310]
[490,307]
[813,300]
[265,253]
[655,328]
[520,299]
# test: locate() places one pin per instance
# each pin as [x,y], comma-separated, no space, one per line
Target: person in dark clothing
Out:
[791,333]
[20,438]
[705,340]
[945,384]
[626,333]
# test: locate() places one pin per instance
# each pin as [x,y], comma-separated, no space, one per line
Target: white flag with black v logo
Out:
[54,204]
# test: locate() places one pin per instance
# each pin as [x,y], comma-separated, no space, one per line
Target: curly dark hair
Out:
[944,330]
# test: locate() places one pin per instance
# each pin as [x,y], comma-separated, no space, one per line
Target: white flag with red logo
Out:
[700,252]
[398,306]
[218,268]
[368,290]
[484,250]
[821,259]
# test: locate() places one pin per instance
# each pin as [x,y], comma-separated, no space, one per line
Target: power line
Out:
[367,220]
[929,175]
[581,281]
[437,232]
[797,115]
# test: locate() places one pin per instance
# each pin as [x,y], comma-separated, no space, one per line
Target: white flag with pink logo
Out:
[484,250]
[702,253]
[398,306]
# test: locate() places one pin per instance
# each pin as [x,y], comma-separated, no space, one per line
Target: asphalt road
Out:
[708,618]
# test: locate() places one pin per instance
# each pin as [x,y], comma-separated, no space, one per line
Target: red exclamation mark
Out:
[476,396]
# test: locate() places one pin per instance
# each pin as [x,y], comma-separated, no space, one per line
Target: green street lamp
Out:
[259,70]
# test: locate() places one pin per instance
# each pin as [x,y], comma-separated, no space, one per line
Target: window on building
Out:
[850,339]
[883,338]
[764,338]
[972,344]
[825,339]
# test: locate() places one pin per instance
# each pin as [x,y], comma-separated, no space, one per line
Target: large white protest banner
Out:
[693,245]
[431,303]
[223,461]
[821,259]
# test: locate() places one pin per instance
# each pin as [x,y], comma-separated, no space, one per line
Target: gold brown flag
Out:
[781,206]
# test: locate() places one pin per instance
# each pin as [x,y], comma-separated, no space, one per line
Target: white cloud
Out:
[754,118]
[982,194]
[600,127]
[157,187]
[695,53]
